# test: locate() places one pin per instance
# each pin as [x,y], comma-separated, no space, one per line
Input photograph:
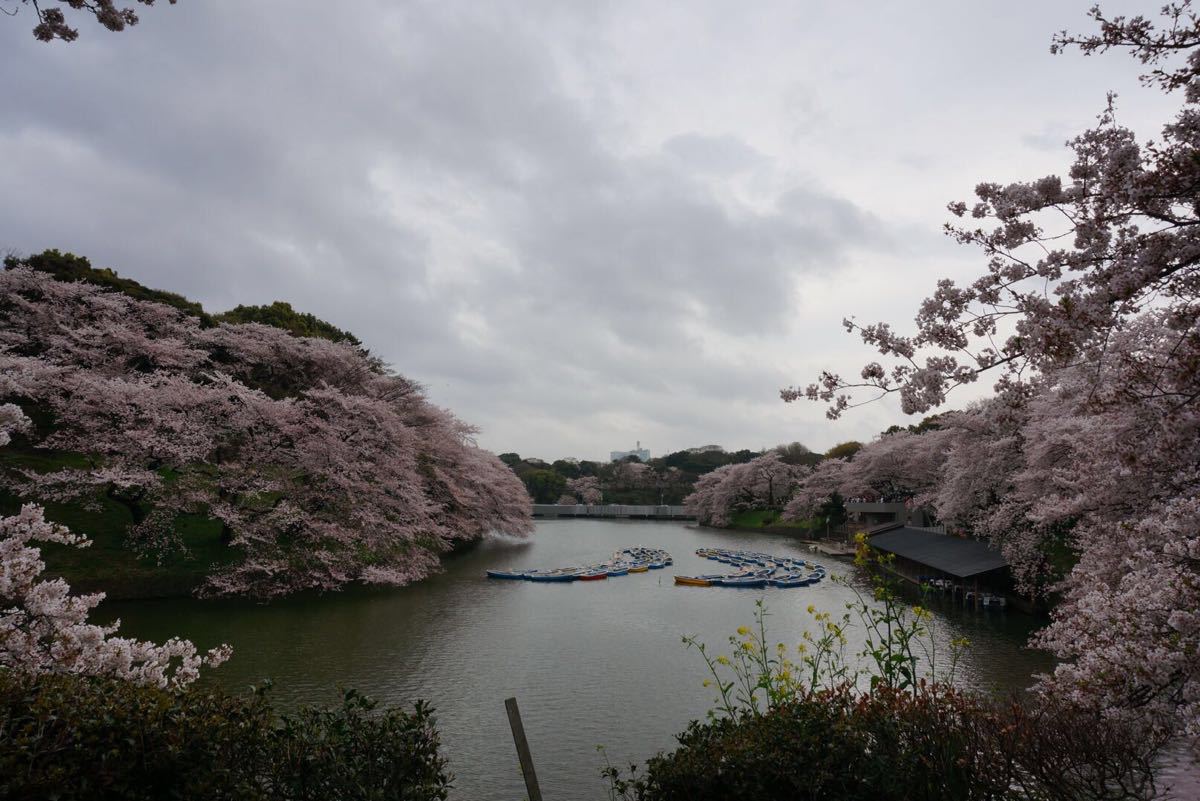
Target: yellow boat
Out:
[639,568]
[692,581]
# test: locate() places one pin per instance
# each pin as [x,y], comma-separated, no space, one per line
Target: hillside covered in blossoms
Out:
[313,464]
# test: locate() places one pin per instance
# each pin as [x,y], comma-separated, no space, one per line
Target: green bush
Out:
[70,737]
[901,745]
[831,745]
[884,727]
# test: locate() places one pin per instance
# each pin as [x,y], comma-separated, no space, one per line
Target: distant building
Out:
[641,453]
[707,449]
[879,513]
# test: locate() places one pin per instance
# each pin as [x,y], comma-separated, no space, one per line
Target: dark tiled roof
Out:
[952,555]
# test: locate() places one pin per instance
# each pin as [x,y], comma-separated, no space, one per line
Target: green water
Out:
[590,663]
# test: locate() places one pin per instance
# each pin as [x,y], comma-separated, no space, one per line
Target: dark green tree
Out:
[280,314]
[833,512]
[844,450]
[544,486]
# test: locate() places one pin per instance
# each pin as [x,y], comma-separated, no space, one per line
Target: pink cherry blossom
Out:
[762,483]
[44,628]
[323,467]
[1085,466]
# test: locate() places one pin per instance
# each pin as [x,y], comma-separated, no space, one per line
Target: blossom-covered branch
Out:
[52,22]
[44,628]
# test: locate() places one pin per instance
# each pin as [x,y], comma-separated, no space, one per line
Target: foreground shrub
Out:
[72,737]
[887,744]
[886,723]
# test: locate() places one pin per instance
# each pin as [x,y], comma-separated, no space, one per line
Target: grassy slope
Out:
[107,565]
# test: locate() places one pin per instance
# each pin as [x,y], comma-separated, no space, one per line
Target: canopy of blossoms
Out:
[323,467]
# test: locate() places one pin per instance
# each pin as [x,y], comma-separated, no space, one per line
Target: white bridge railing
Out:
[611,510]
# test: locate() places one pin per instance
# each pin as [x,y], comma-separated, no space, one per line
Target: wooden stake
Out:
[518,731]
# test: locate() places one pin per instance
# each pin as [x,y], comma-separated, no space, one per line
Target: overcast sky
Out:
[578,224]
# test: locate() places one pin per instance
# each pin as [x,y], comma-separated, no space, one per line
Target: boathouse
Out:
[964,567]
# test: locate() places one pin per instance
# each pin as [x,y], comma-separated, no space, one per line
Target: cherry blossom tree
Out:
[711,500]
[1110,475]
[323,467]
[44,628]
[1085,465]
[1069,262]
[12,421]
[52,22]
[830,477]
[632,475]
[902,466]
[762,483]
[586,489]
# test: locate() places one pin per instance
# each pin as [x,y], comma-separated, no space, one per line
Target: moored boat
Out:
[567,574]
[693,581]
[506,574]
[741,581]
[789,581]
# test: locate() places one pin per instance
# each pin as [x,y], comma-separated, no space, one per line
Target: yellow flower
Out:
[811,609]
[747,646]
[724,660]
[707,683]
[802,648]
[742,630]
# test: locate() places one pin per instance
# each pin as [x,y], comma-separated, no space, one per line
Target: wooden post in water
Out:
[514,722]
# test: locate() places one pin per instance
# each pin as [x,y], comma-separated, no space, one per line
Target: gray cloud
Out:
[572,223]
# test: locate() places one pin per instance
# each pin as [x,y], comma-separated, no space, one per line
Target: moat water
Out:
[594,663]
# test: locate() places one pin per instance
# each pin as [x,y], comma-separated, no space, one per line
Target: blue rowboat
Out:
[557,575]
[506,574]
[748,581]
[618,570]
[657,565]
[789,581]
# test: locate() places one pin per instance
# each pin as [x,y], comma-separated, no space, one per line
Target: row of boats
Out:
[638,559]
[958,590]
[755,569]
